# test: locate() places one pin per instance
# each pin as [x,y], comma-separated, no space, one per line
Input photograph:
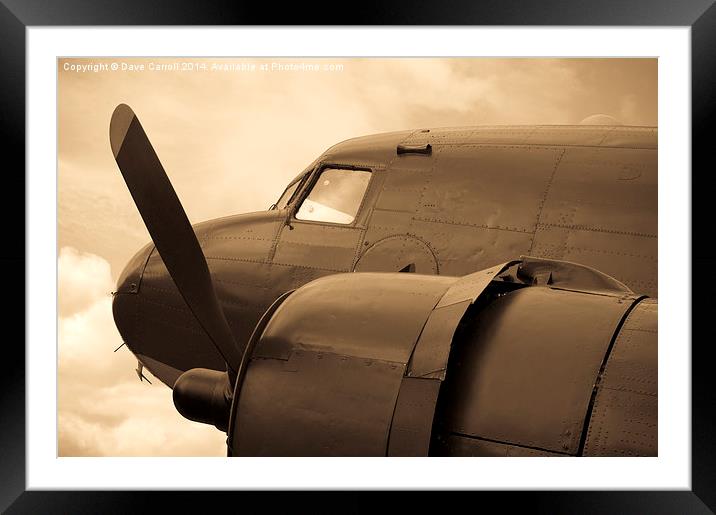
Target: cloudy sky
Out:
[230,141]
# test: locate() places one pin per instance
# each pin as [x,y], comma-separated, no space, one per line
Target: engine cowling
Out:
[531,357]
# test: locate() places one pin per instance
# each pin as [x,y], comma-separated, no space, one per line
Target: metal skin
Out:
[448,202]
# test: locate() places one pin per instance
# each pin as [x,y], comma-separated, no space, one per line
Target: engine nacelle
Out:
[532,357]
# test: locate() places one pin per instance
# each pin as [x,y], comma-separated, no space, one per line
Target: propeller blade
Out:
[169,228]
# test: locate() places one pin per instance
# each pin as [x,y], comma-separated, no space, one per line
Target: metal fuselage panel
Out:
[482,198]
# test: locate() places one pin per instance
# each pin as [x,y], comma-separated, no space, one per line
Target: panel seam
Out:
[511,444]
[600,374]
[544,200]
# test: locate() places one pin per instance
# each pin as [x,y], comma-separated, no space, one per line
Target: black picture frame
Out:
[17,15]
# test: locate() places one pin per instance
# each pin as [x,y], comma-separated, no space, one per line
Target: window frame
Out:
[308,187]
[300,182]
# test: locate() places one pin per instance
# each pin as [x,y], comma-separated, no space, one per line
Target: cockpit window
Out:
[336,196]
[286,197]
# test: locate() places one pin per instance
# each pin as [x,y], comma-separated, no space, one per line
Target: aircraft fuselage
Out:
[439,201]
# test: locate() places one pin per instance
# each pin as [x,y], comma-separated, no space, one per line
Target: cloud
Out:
[103,408]
[133,419]
[83,278]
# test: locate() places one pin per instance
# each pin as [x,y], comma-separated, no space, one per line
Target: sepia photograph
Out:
[387,256]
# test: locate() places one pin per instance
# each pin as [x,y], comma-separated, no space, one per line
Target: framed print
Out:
[360,257]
